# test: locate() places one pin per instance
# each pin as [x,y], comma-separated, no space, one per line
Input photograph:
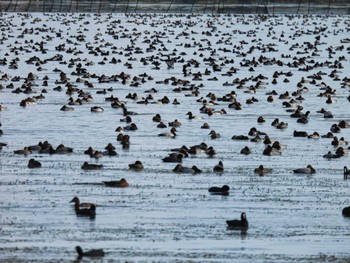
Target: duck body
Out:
[34,164]
[77,203]
[186,170]
[346,211]
[236,224]
[90,253]
[122,183]
[137,166]
[91,166]
[346,172]
[308,170]
[224,190]
[219,168]
[261,170]
[90,212]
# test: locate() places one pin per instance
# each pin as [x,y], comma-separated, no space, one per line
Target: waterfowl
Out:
[224,190]
[91,166]
[174,123]
[308,170]
[61,149]
[171,133]
[246,150]
[66,108]
[236,224]
[137,166]
[157,118]
[214,135]
[97,109]
[90,212]
[90,253]
[205,126]
[261,170]
[25,151]
[34,164]
[173,158]
[186,170]
[219,168]
[346,173]
[300,133]
[346,211]
[121,183]
[191,117]
[77,203]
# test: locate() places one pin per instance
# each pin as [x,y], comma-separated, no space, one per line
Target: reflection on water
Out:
[162,215]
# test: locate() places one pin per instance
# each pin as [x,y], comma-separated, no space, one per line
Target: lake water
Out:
[163,216]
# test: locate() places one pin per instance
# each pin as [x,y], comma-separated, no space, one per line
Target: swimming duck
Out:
[346,173]
[33,164]
[137,166]
[97,109]
[245,150]
[219,168]
[88,166]
[346,211]
[186,170]
[238,224]
[174,123]
[66,108]
[261,170]
[173,158]
[191,117]
[214,135]
[157,118]
[90,253]
[205,126]
[308,170]
[77,203]
[224,190]
[90,212]
[170,134]
[121,183]
[25,151]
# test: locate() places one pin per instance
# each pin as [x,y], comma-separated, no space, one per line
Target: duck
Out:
[173,158]
[25,151]
[300,133]
[219,168]
[91,166]
[261,170]
[33,164]
[224,190]
[97,109]
[137,166]
[308,170]
[77,203]
[90,212]
[346,211]
[174,123]
[214,135]
[205,126]
[121,183]
[191,117]
[90,253]
[157,118]
[246,150]
[186,170]
[66,108]
[346,173]
[236,224]
[170,134]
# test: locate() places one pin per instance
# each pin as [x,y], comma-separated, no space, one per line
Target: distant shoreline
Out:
[321,7]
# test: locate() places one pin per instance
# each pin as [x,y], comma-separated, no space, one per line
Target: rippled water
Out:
[165,216]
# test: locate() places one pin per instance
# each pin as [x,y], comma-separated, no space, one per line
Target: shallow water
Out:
[165,216]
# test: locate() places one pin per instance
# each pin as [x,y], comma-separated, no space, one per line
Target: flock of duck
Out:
[219,54]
